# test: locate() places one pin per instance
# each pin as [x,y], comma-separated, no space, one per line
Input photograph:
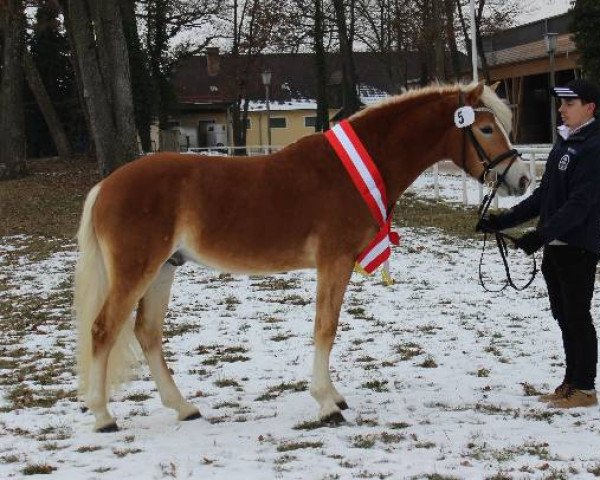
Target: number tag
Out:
[464,116]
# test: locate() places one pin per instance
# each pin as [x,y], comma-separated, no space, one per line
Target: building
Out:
[207,86]
[519,59]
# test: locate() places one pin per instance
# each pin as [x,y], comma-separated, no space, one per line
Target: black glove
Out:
[489,224]
[530,242]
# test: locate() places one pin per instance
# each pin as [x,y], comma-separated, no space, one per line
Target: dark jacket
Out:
[568,197]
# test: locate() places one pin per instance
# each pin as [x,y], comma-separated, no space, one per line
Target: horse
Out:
[293,209]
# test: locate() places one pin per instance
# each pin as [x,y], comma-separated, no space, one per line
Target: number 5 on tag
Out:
[464,116]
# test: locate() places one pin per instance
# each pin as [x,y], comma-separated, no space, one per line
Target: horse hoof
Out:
[111,427]
[333,420]
[192,416]
[342,405]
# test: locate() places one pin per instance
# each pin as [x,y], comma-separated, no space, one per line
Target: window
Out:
[278,122]
[310,122]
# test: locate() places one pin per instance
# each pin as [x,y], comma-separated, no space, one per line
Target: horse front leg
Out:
[332,280]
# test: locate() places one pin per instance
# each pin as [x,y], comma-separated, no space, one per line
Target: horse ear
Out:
[494,86]
[474,95]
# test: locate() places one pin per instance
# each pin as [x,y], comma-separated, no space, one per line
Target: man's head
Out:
[579,102]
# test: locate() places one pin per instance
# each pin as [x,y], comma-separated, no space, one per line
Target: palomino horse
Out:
[294,209]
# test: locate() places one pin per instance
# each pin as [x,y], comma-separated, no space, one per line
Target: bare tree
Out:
[251,26]
[164,21]
[55,126]
[103,67]
[351,102]
[12,118]
[490,16]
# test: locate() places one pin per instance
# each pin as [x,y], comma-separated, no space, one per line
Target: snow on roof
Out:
[367,93]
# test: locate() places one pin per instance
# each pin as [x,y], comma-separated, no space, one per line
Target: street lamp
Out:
[550,40]
[266,79]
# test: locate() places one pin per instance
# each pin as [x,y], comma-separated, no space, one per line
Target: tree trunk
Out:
[438,40]
[350,95]
[479,42]
[140,77]
[12,113]
[322,121]
[114,63]
[40,93]
[109,151]
[451,38]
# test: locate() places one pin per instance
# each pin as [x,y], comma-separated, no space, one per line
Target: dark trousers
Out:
[570,273]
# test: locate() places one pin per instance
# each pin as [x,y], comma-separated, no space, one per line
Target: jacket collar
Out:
[582,133]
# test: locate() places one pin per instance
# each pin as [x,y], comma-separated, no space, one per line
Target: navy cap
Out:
[579,88]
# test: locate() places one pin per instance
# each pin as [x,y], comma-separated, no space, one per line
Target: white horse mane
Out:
[488,98]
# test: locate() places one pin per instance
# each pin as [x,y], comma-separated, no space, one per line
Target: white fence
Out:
[535,155]
[250,150]
[440,172]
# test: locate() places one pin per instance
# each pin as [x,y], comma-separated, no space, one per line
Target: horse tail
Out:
[91,291]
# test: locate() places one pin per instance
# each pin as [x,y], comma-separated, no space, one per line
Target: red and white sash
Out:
[368,181]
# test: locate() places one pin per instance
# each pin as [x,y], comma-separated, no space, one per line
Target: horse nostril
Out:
[524,183]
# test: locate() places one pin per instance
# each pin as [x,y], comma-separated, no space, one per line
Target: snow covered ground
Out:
[439,375]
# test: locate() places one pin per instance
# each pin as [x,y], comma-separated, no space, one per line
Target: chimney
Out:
[213,61]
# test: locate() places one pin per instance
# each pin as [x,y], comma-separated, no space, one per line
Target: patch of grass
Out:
[408,350]
[275,391]
[439,476]
[280,337]
[376,385]
[429,362]
[138,397]
[226,405]
[398,425]
[391,437]
[426,445]
[226,382]
[38,469]
[88,448]
[365,358]
[289,300]
[12,458]
[123,452]
[49,200]
[363,441]
[483,372]
[595,470]
[272,283]
[289,446]
[529,390]
[308,425]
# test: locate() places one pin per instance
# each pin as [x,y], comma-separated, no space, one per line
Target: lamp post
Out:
[550,39]
[266,79]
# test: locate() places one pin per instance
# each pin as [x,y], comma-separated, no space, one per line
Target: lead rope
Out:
[501,243]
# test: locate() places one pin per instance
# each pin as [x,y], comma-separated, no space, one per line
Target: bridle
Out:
[488,166]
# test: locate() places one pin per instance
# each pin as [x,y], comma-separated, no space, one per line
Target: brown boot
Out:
[575,398]
[559,392]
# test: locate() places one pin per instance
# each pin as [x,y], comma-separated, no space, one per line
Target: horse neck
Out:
[409,137]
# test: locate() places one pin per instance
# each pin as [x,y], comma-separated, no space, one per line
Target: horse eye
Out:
[487,130]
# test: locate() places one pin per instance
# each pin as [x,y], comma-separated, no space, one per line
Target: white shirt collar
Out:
[565,132]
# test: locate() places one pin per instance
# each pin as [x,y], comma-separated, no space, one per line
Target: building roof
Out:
[526,42]
[293,77]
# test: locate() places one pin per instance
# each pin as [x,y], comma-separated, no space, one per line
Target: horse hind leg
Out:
[148,329]
[331,285]
[106,330]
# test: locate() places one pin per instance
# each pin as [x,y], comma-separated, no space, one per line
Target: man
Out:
[567,202]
